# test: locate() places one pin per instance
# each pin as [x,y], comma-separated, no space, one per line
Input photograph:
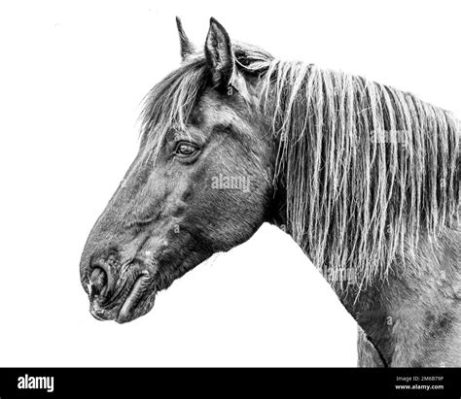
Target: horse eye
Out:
[185,149]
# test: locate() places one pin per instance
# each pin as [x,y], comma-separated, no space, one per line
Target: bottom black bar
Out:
[218,382]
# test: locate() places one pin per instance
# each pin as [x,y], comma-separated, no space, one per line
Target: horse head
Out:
[201,182]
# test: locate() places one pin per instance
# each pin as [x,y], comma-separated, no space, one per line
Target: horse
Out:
[364,177]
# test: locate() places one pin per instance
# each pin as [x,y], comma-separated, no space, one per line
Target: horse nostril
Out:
[98,281]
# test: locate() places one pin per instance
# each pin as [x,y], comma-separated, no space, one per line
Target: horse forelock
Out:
[170,104]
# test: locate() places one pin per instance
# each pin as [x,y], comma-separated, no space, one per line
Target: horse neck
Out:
[410,316]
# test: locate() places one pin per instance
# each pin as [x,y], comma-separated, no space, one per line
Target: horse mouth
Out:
[139,301]
[134,298]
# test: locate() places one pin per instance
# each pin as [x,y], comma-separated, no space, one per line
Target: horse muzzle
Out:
[122,295]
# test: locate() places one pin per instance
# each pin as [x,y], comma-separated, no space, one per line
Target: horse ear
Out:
[187,48]
[219,55]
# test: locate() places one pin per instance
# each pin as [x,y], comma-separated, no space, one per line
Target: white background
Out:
[72,78]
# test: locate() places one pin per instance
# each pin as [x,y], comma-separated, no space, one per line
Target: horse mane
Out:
[366,168]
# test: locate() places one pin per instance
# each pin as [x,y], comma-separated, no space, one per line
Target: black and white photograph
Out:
[216,184]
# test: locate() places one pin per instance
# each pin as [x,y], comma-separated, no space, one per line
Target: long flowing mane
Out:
[367,169]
